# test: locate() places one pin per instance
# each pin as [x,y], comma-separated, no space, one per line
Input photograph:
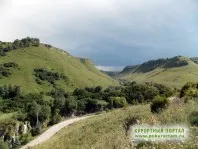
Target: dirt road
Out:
[51,131]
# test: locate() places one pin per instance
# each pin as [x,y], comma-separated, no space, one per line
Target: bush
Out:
[9,91]
[4,71]
[56,117]
[10,64]
[164,90]
[150,93]
[102,105]
[25,138]
[159,103]
[3,145]
[46,75]
[70,105]
[193,118]
[130,121]
[117,102]
[36,131]
[186,87]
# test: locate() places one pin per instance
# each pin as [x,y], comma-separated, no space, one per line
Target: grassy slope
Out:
[174,77]
[80,73]
[107,131]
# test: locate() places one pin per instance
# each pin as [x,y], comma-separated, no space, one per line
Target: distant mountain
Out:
[110,73]
[194,59]
[174,71]
[39,67]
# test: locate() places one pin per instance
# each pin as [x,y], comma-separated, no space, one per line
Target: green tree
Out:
[118,102]
[150,93]
[56,116]
[70,105]
[98,89]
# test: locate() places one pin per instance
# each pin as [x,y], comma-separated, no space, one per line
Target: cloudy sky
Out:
[113,33]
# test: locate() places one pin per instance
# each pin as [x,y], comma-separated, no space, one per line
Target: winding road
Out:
[52,130]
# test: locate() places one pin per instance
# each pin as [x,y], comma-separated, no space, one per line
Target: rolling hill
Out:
[174,72]
[107,131]
[25,67]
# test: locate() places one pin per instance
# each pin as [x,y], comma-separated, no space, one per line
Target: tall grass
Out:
[107,131]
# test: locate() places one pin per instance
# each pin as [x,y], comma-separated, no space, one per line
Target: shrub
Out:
[25,138]
[130,121]
[49,76]
[70,105]
[150,93]
[134,92]
[194,118]
[3,145]
[56,117]
[36,131]
[10,64]
[159,103]
[4,71]
[102,105]
[98,89]
[9,91]
[164,90]
[185,88]
[118,102]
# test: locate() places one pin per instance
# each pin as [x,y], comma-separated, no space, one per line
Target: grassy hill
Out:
[108,131]
[74,72]
[174,72]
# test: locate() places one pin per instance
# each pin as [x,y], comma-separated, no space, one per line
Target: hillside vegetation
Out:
[108,130]
[111,130]
[37,112]
[71,72]
[174,72]
[41,85]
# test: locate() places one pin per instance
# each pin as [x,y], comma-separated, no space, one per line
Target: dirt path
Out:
[51,131]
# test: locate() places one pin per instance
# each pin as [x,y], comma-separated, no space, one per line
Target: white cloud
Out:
[102,24]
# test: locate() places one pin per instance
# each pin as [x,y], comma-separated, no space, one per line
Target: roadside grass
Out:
[106,131]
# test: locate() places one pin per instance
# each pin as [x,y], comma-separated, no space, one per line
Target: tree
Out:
[150,93]
[70,105]
[45,113]
[90,105]
[98,89]
[163,90]
[117,102]
[56,116]
[33,113]
[81,93]
[16,44]
[59,103]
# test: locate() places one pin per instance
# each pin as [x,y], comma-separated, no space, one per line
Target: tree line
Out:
[39,112]
[25,42]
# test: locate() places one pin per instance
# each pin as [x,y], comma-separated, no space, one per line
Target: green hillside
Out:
[174,72]
[18,67]
[107,131]
[194,59]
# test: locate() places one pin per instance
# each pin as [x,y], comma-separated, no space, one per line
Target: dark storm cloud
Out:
[111,32]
